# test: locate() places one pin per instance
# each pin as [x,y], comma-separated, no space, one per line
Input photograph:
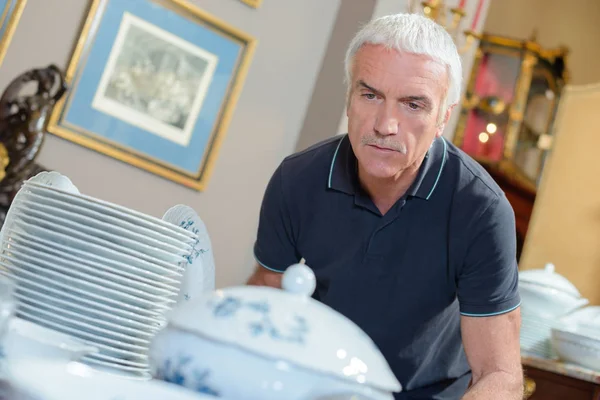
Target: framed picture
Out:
[154,83]
[252,3]
[9,19]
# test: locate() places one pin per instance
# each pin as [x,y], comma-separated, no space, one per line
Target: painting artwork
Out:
[155,87]
[252,3]
[155,80]
[10,14]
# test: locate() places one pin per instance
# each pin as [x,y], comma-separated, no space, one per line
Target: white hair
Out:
[412,33]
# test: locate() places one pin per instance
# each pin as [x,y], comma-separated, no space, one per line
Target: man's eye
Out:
[413,106]
[369,96]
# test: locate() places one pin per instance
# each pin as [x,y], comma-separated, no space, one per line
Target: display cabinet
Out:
[507,114]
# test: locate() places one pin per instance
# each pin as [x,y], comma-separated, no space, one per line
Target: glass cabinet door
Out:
[509,106]
[534,138]
[485,129]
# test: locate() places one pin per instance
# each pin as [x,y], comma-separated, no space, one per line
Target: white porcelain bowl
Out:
[576,337]
[274,344]
[586,321]
[577,348]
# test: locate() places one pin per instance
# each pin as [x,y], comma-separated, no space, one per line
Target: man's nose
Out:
[387,121]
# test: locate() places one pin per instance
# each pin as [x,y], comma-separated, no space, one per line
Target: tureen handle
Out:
[299,279]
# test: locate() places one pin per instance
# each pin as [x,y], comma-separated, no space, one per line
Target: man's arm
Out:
[275,247]
[489,304]
[493,351]
[265,277]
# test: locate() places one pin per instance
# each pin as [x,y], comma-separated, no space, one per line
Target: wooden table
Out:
[551,379]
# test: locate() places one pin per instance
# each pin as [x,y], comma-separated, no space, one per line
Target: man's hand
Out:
[493,350]
[265,277]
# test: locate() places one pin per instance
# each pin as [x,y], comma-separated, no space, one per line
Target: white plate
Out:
[101,326]
[145,332]
[93,307]
[88,313]
[79,270]
[35,229]
[97,262]
[110,337]
[111,224]
[104,346]
[115,360]
[77,293]
[199,275]
[144,376]
[75,381]
[20,264]
[96,230]
[115,210]
[114,366]
[58,225]
[99,230]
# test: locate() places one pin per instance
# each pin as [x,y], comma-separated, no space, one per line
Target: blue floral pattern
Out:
[263,325]
[173,372]
[188,225]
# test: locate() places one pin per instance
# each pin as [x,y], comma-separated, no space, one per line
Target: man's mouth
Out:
[381,148]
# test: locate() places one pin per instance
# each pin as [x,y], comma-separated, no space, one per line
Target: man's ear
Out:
[348,100]
[444,121]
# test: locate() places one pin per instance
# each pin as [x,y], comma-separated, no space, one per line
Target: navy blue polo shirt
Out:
[446,248]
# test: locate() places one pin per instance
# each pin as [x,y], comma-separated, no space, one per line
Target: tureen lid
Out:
[585,320]
[288,325]
[548,278]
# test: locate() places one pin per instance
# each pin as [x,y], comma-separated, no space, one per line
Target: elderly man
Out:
[407,236]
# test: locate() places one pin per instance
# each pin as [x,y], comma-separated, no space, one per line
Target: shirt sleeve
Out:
[275,248]
[488,281]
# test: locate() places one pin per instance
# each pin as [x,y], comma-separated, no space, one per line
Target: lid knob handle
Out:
[549,268]
[299,279]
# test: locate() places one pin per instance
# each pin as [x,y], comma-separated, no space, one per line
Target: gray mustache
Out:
[371,141]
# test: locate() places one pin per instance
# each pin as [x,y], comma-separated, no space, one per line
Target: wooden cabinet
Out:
[521,199]
[553,386]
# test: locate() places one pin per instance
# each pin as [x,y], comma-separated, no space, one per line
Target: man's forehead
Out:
[374,62]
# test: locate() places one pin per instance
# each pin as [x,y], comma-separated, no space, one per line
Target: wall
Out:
[574,24]
[565,224]
[329,96]
[292,37]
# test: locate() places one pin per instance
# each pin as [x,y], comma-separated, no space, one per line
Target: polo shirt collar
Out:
[431,170]
[343,174]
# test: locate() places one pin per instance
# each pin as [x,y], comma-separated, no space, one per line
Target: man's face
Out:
[394,106]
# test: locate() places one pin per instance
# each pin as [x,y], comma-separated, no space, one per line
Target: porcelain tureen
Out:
[547,293]
[263,343]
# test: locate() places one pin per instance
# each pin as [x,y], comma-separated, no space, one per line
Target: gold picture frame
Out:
[252,3]
[9,19]
[180,34]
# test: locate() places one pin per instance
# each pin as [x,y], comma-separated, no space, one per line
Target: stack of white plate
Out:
[95,270]
[535,334]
